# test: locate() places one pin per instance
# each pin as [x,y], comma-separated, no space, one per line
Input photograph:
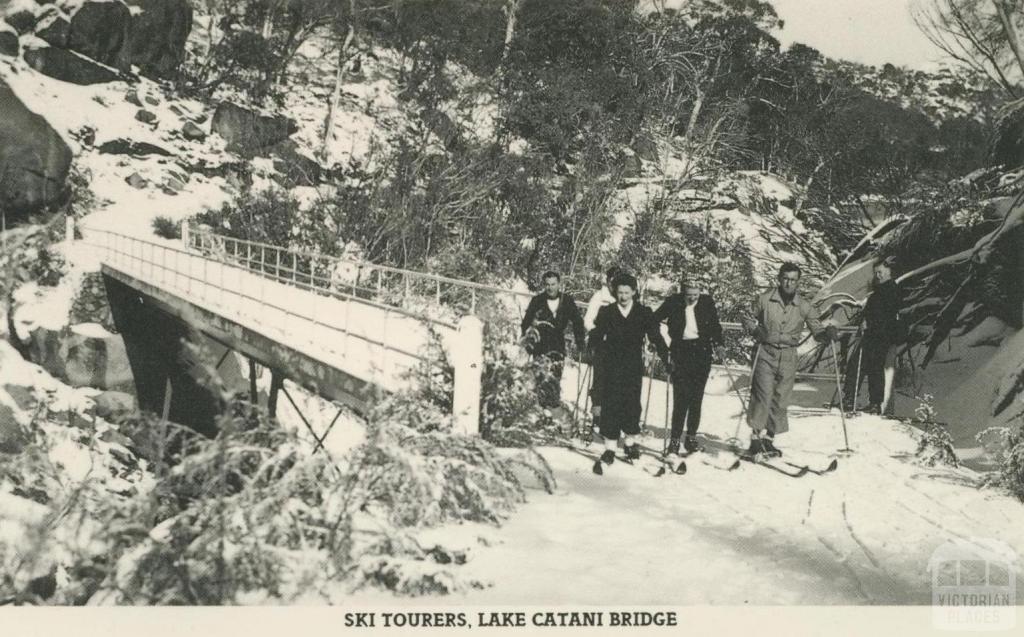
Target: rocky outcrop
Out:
[68,66]
[35,158]
[22,20]
[90,304]
[8,41]
[99,30]
[13,437]
[156,39]
[192,132]
[83,355]
[54,27]
[294,168]
[132,147]
[247,130]
[112,405]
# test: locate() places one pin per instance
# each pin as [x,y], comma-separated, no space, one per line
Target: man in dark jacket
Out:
[694,331]
[543,327]
[883,331]
[618,337]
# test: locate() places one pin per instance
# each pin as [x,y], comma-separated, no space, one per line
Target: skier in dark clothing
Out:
[618,337]
[882,332]
[694,332]
[547,316]
[601,298]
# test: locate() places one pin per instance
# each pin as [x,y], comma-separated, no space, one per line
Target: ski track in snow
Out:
[862,534]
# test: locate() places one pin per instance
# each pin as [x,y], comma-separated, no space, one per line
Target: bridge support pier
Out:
[253,397]
[276,385]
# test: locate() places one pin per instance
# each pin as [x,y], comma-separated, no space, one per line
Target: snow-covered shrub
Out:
[166,227]
[934,444]
[47,268]
[1005,445]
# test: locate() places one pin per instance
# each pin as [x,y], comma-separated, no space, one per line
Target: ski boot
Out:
[608,456]
[770,450]
[691,445]
[632,452]
[755,449]
[673,447]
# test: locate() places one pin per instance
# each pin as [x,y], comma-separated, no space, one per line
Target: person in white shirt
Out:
[694,331]
[602,297]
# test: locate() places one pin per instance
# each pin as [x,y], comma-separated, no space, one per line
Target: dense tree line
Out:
[589,85]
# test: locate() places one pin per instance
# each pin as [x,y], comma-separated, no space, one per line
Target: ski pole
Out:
[667,425]
[647,403]
[732,381]
[839,388]
[753,368]
[581,379]
[856,390]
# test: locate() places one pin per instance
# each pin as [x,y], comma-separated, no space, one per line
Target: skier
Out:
[694,331]
[547,316]
[779,318]
[883,331]
[605,295]
[618,337]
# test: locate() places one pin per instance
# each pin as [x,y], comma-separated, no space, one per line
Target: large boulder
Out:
[156,40]
[54,27]
[8,41]
[13,437]
[99,30]
[68,66]
[35,158]
[84,355]
[294,168]
[21,16]
[247,130]
[113,405]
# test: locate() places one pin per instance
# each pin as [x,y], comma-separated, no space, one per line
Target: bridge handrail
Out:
[472,286]
[177,249]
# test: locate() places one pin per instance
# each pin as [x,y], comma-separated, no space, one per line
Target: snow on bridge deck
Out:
[369,341]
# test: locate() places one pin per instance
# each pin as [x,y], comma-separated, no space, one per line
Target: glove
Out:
[760,334]
[831,333]
[670,367]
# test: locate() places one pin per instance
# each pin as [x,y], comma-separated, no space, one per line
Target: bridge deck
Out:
[310,334]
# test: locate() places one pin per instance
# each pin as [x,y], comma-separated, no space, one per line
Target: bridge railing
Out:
[385,340]
[428,296]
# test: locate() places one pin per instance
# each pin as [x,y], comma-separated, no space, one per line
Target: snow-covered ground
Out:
[860,535]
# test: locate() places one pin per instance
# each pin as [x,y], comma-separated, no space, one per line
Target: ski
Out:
[731,464]
[675,465]
[774,465]
[832,466]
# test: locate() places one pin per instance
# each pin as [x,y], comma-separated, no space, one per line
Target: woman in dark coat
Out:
[618,338]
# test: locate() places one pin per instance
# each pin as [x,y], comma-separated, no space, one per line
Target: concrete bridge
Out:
[281,309]
[345,330]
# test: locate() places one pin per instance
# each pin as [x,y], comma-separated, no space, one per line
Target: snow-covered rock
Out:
[35,158]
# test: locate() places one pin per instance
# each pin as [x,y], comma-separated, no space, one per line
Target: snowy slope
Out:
[750,536]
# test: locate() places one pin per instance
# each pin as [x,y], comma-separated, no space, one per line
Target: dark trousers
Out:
[693,365]
[548,379]
[872,364]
